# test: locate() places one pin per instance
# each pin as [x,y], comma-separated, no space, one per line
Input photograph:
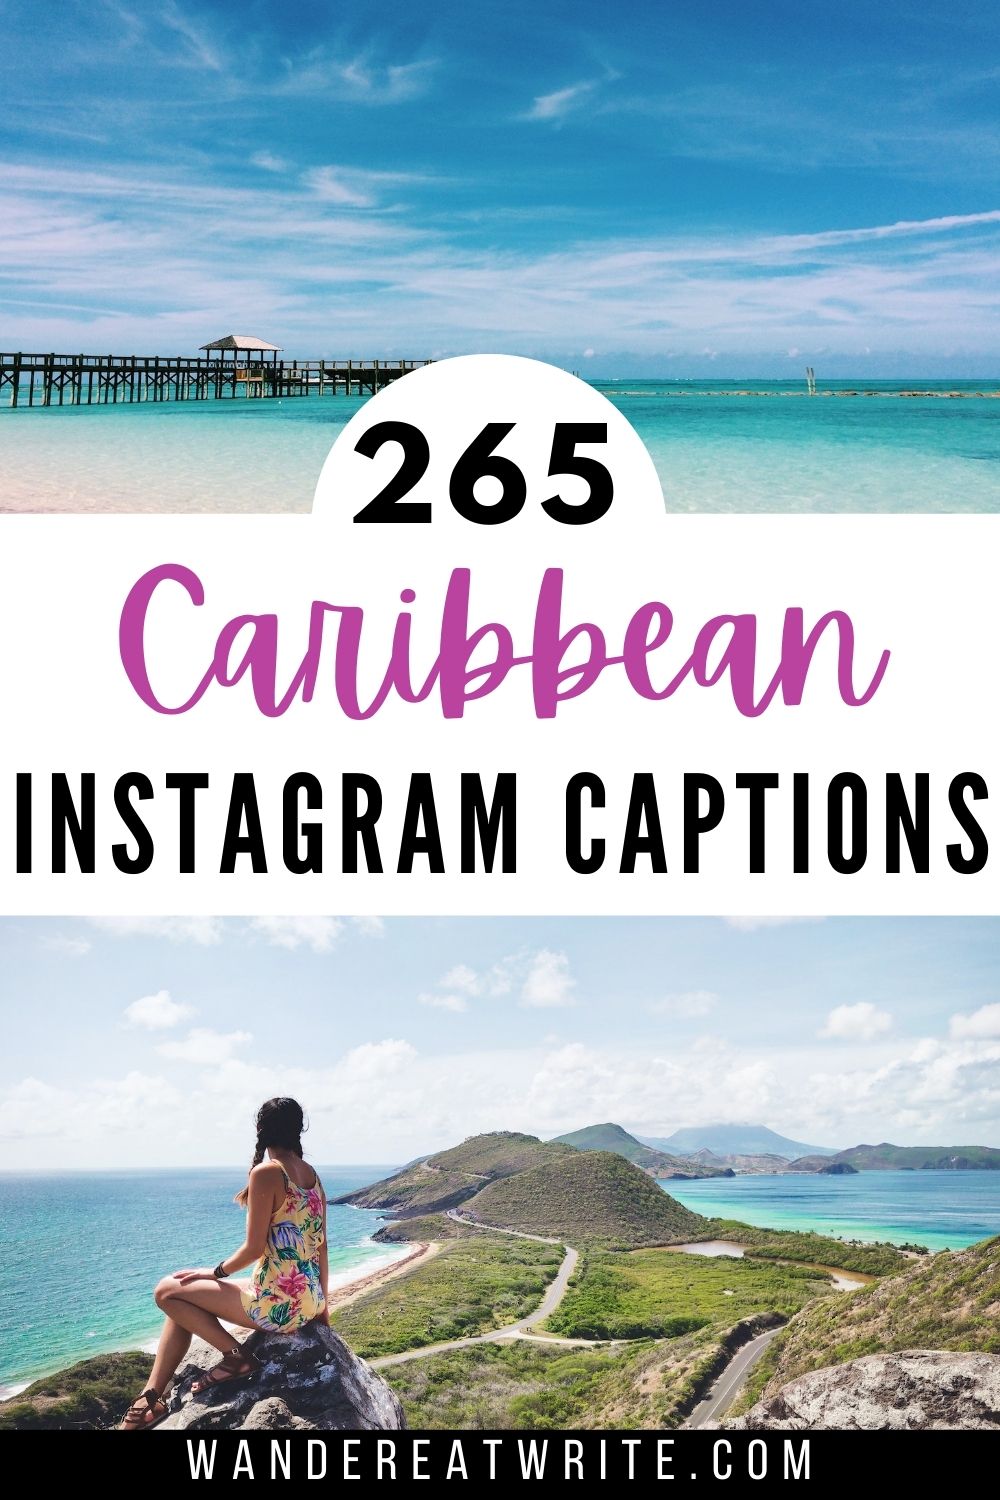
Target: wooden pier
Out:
[106,379]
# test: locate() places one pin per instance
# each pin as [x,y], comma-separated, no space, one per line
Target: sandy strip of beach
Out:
[341,1296]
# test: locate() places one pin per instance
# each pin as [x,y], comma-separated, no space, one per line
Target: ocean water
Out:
[779,451]
[81,1252]
[942,1210]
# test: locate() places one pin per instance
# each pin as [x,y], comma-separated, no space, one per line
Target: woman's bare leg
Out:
[175,1342]
[197,1307]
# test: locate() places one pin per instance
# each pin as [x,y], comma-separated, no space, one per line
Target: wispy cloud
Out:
[561,102]
[268,162]
[198,47]
[688,1005]
[104,241]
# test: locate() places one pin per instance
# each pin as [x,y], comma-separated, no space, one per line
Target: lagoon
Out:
[942,1210]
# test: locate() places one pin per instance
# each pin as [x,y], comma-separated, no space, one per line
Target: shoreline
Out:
[340,1296]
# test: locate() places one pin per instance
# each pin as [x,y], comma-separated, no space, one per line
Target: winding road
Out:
[554,1293]
[727,1386]
[713,1406]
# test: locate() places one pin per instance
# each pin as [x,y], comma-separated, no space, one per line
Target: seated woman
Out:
[285,1235]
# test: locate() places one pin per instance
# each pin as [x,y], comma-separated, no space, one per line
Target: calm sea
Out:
[713,452]
[942,1210]
[81,1252]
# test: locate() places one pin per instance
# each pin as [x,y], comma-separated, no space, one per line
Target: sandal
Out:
[236,1365]
[142,1412]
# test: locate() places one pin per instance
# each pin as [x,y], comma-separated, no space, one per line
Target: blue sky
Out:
[661,188]
[150,1041]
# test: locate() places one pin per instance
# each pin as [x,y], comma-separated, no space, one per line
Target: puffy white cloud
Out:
[856,1023]
[317,933]
[385,1101]
[202,930]
[548,982]
[205,1047]
[463,979]
[443,1000]
[984,1022]
[157,1012]
[687,1005]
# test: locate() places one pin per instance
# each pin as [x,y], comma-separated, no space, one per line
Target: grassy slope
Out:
[613,1138]
[93,1393]
[661,1294]
[427,1227]
[583,1197]
[802,1245]
[473,1286]
[946,1301]
[450,1177]
[537,1386]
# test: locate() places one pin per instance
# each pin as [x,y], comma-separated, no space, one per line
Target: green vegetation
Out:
[946,1301]
[450,1177]
[803,1245]
[664,1293]
[93,1393]
[473,1286]
[496,1387]
[658,1163]
[888,1158]
[426,1228]
[586,1196]
[532,1385]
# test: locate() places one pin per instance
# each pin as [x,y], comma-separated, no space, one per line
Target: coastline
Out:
[344,1289]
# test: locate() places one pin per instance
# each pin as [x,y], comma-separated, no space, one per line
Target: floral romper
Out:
[284,1291]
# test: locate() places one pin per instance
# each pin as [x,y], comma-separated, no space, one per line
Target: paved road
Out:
[727,1386]
[554,1294]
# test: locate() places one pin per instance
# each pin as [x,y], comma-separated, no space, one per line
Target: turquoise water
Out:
[713,452]
[942,1210]
[81,1252]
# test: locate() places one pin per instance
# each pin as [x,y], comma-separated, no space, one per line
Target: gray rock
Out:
[309,1380]
[915,1389]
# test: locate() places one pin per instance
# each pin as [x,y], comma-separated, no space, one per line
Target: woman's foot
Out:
[236,1365]
[146,1410]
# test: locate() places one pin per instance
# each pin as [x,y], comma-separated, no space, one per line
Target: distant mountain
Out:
[449,1177]
[734,1140]
[610,1137]
[757,1164]
[586,1195]
[888,1158]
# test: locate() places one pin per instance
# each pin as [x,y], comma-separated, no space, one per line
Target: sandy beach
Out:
[351,1290]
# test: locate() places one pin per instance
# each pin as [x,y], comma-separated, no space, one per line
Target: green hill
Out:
[93,1393]
[450,1177]
[586,1196]
[657,1163]
[946,1301]
[888,1158]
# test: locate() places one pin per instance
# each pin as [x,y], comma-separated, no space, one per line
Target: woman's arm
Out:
[266,1183]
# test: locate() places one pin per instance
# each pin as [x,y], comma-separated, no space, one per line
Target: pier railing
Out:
[104,379]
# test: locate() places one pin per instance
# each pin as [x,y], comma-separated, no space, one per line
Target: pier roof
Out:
[242,341]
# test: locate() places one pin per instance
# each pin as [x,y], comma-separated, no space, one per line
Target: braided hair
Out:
[280,1122]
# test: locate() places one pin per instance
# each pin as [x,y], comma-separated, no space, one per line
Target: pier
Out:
[232,368]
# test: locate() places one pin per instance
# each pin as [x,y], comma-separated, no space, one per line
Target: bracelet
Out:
[219,1272]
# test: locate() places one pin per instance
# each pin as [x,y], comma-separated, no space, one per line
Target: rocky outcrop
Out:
[915,1389]
[307,1380]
